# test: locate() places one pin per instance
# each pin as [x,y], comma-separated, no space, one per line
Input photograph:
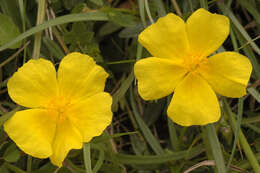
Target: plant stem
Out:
[176,7]
[29,164]
[215,147]
[38,36]
[204,4]
[236,130]
[87,160]
[148,11]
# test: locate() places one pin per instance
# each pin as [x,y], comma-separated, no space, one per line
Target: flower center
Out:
[193,62]
[59,105]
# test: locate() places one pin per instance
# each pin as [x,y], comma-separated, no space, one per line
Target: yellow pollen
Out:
[59,105]
[193,62]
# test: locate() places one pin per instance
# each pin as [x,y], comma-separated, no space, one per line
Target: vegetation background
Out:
[141,139]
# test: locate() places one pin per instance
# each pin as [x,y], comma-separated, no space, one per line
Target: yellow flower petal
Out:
[157,77]
[194,102]
[167,38]
[206,32]
[92,115]
[34,84]
[32,130]
[67,137]
[227,73]
[79,76]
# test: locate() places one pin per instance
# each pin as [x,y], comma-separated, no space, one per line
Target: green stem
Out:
[173,135]
[215,147]
[240,112]
[204,4]
[148,11]
[29,164]
[38,36]
[172,132]
[13,168]
[141,11]
[176,7]
[243,141]
[87,160]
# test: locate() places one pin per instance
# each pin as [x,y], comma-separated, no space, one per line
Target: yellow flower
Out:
[66,110]
[180,65]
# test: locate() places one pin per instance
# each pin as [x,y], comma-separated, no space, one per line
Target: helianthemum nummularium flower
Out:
[67,109]
[180,65]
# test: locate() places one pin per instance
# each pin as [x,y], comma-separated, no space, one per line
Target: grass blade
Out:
[91,16]
[157,159]
[153,142]
[239,118]
[243,141]
[215,147]
[241,29]
[254,93]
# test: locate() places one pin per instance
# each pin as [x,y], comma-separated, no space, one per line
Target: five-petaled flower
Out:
[66,110]
[180,65]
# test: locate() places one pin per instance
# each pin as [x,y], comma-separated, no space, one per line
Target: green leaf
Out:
[53,48]
[160,7]
[8,31]
[108,28]
[90,16]
[97,2]
[121,19]
[13,168]
[69,4]
[12,153]
[105,137]
[78,34]
[119,94]
[3,169]
[156,159]
[132,31]
[11,8]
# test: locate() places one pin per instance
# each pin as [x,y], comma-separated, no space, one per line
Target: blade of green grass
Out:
[152,141]
[215,148]
[160,7]
[38,36]
[204,4]
[13,168]
[142,11]
[148,12]
[249,53]
[239,118]
[172,131]
[100,161]
[90,16]
[173,135]
[14,55]
[255,119]
[255,128]
[240,28]
[243,141]
[251,9]
[53,47]
[254,93]
[157,159]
